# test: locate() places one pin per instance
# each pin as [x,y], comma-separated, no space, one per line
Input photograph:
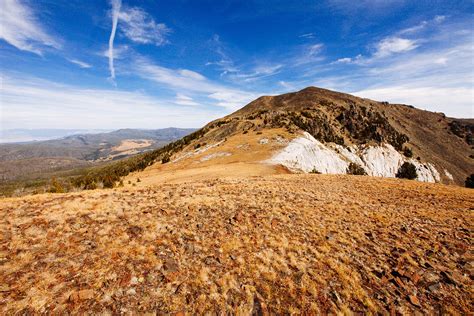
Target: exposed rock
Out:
[307,154]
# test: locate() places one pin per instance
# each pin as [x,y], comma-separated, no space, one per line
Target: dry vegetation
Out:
[297,244]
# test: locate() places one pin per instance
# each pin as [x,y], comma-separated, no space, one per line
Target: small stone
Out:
[434,287]
[134,280]
[415,278]
[170,265]
[431,277]
[82,295]
[399,282]
[414,300]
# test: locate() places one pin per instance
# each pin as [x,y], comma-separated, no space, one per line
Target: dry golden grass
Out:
[239,155]
[297,244]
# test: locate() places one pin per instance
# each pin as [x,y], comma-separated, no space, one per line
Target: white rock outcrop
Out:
[381,161]
[306,154]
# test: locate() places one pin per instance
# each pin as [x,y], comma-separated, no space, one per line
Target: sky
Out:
[153,64]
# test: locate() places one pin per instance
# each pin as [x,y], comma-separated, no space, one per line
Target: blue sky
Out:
[154,64]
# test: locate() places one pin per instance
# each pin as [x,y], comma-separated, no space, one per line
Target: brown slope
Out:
[300,244]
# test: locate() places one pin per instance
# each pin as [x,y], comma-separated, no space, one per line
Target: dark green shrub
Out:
[355,169]
[407,171]
[314,171]
[470,181]
[407,152]
[166,159]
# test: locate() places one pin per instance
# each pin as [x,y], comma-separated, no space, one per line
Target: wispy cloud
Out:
[138,26]
[225,63]
[259,72]
[402,41]
[116,4]
[431,98]
[34,103]
[80,63]
[427,79]
[307,35]
[348,60]
[20,28]
[308,54]
[182,99]
[393,45]
[191,82]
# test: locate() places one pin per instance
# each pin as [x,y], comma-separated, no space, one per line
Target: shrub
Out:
[166,159]
[56,187]
[470,181]
[407,152]
[138,180]
[407,171]
[355,169]
[108,182]
[315,171]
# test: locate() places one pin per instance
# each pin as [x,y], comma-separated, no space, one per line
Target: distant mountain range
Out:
[75,148]
[20,135]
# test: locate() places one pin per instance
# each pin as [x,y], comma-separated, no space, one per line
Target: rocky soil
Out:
[290,244]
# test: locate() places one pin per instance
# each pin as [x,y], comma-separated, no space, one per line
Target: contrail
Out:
[116,4]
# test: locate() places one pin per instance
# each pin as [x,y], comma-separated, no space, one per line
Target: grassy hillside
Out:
[314,244]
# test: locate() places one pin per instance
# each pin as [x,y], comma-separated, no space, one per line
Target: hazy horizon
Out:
[22,135]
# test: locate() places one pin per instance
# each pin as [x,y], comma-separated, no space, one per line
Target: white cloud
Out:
[392,45]
[191,74]
[36,103]
[182,99]
[21,29]
[259,72]
[80,63]
[433,99]
[349,60]
[307,35]
[439,18]
[188,81]
[140,27]
[436,79]
[415,28]
[226,64]
[345,60]
[119,52]
[116,4]
[423,25]
[307,54]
